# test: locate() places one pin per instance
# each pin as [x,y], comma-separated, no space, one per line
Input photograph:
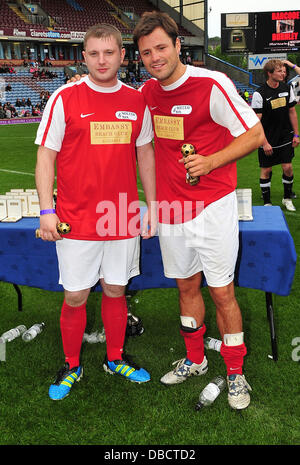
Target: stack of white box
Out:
[244,201]
[19,203]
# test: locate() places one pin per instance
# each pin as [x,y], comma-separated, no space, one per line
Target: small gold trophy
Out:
[186,150]
[62,228]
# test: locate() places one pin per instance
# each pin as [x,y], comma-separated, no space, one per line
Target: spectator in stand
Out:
[137,70]
[7,112]
[12,110]
[36,111]
[28,102]
[130,66]
[2,112]
[123,75]
[128,77]
[18,103]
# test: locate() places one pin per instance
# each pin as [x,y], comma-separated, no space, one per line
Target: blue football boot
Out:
[64,381]
[127,369]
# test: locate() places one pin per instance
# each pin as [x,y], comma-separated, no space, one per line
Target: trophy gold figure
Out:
[186,150]
[62,228]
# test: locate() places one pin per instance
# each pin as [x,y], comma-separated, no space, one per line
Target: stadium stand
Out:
[10,16]
[138,7]
[24,86]
[78,16]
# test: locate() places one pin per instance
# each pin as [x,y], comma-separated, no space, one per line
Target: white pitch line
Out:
[32,174]
[17,172]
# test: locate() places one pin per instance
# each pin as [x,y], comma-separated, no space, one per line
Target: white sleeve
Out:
[51,129]
[257,101]
[292,95]
[146,134]
[228,109]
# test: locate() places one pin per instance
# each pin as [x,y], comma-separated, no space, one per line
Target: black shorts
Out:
[280,155]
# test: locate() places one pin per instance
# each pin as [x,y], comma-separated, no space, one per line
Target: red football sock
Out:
[72,326]
[114,317]
[194,344]
[233,358]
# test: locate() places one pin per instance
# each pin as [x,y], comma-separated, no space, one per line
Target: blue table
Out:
[266,261]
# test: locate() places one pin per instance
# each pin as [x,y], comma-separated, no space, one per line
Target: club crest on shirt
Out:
[181,110]
[126,115]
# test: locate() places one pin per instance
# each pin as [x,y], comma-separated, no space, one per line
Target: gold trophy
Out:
[186,150]
[62,228]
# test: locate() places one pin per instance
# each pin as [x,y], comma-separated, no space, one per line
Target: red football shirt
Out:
[95,131]
[202,108]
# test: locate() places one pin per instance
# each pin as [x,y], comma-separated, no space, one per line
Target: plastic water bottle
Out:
[211,392]
[13,333]
[32,332]
[95,337]
[211,343]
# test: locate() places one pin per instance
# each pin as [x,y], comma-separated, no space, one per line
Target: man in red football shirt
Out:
[200,107]
[94,131]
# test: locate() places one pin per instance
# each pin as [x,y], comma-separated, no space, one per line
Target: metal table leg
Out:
[18,291]
[270,315]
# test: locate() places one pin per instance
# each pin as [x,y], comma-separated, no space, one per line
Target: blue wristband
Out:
[46,212]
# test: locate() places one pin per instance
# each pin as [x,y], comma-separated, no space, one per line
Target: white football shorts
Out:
[208,243]
[83,263]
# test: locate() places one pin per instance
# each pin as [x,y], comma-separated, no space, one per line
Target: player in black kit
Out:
[274,103]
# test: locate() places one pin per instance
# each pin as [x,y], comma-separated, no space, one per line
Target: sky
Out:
[246,6]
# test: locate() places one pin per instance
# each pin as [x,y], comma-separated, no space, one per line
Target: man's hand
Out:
[149,225]
[48,231]
[197,165]
[295,141]
[76,77]
[267,149]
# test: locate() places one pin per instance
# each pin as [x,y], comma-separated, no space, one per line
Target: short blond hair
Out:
[101,31]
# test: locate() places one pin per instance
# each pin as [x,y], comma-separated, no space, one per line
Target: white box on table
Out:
[33,206]
[3,208]
[14,211]
[244,202]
